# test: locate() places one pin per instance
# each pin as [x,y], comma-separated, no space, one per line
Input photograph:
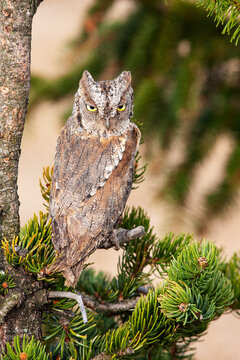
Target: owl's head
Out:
[105,107]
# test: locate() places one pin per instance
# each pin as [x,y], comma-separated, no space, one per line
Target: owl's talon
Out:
[121,236]
[114,240]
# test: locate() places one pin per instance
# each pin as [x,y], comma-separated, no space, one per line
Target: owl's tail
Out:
[71,273]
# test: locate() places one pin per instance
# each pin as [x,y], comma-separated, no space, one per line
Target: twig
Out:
[104,356]
[113,308]
[173,351]
[121,236]
[82,299]
[70,295]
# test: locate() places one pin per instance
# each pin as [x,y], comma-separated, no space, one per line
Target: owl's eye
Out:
[121,107]
[91,108]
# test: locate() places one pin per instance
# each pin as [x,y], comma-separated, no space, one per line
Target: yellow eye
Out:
[121,107]
[91,108]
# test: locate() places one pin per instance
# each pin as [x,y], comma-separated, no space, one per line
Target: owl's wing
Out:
[82,166]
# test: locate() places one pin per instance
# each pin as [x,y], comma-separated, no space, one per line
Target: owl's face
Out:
[105,107]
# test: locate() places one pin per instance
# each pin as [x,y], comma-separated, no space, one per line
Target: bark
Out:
[110,308]
[15,49]
[19,310]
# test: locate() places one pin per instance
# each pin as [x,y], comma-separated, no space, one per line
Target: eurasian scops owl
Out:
[93,171]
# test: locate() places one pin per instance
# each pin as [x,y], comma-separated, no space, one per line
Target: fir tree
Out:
[128,316]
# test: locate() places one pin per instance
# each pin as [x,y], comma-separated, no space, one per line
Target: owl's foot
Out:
[114,240]
[121,236]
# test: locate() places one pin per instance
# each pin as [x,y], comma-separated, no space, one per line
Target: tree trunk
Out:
[21,309]
[19,312]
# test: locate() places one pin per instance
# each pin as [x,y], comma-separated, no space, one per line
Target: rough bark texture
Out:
[19,311]
[15,45]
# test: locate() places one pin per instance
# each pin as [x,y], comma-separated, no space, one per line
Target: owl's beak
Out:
[107,123]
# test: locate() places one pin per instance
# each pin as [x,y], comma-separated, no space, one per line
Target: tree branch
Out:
[104,356]
[113,308]
[15,49]
[82,299]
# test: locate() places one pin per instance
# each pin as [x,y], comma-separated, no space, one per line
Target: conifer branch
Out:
[112,308]
[82,299]
[226,13]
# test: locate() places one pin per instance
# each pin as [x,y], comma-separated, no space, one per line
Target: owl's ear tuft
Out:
[86,79]
[86,83]
[125,79]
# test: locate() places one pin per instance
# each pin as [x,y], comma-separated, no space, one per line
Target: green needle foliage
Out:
[45,184]
[196,290]
[145,328]
[68,330]
[6,283]
[227,14]
[32,249]
[231,270]
[27,349]
[177,303]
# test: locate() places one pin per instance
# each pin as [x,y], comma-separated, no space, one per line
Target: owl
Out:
[93,171]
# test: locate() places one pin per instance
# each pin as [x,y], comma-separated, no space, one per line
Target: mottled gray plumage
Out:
[93,171]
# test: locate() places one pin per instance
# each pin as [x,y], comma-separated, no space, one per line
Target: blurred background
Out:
[186,77]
